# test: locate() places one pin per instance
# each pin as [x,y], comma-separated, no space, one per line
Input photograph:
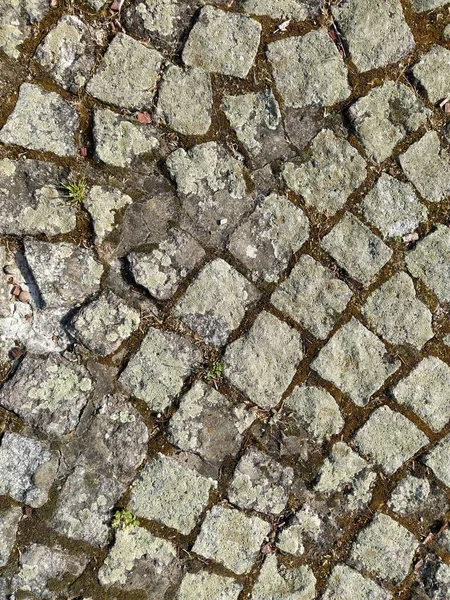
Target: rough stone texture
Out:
[41,120]
[375,30]
[207,586]
[308,70]
[389,439]
[297,10]
[16,22]
[27,469]
[434,580]
[9,523]
[393,207]
[263,362]
[426,5]
[276,581]
[222,42]
[355,361]
[432,72]
[215,304]
[312,296]
[305,525]
[385,549]
[231,538]
[103,204]
[170,493]
[345,582]
[355,248]
[385,116]
[331,172]
[409,495]
[437,460]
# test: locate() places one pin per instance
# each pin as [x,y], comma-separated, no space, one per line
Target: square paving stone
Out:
[345,582]
[389,439]
[104,204]
[424,390]
[437,460]
[215,304]
[309,70]
[396,314]
[375,30]
[333,172]
[433,73]
[231,538]
[304,526]
[156,373]
[426,165]
[410,495]
[276,581]
[356,249]
[168,492]
[355,361]
[385,116]
[41,120]
[393,207]
[263,362]
[208,586]
[16,23]
[222,42]
[430,261]
[385,549]
[9,523]
[312,296]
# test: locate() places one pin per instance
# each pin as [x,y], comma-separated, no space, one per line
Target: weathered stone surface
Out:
[345,582]
[331,172]
[312,296]
[437,460]
[231,538]
[16,22]
[41,120]
[385,116]
[393,207]
[409,495]
[425,5]
[432,72]
[355,361]
[206,586]
[308,70]
[156,373]
[48,393]
[355,248]
[303,124]
[434,580]
[27,469]
[376,32]
[170,493]
[222,42]
[215,304]
[65,274]
[9,523]
[103,204]
[280,583]
[426,165]
[385,549]
[263,362]
[297,10]
[389,439]
[185,100]
[305,525]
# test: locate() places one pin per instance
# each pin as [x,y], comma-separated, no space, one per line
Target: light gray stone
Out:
[317,73]
[425,5]
[345,582]
[333,170]
[16,22]
[277,582]
[104,204]
[437,460]
[263,362]
[409,495]
[305,525]
[296,10]
[432,72]
[9,523]
[208,586]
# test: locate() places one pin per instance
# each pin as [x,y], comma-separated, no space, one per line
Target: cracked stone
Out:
[215,304]
[356,249]
[345,582]
[312,296]
[9,523]
[389,439]
[16,22]
[263,362]
[333,171]
[305,525]
[41,120]
[276,582]
[103,204]
[409,495]
[432,72]
[296,10]
[309,70]
[303,124]
[222,42]
[208,586]
[437,460]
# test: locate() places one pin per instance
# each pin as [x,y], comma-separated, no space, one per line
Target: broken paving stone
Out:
[409,495]
[231,538]
[345,582]
[41,120]
[437,460]
[260,483]
[303,124]
[334,171]
[222,42]
[395,313]
[48,393]
[304,526]
[426,165]
[263,362]
[389,439]
[127,75]
[268,239]
[355,361]
[356,249]
[312,296]
[208,586]
[385,549]
[275,581]
[296,10]
[393,207]
[385,116]
[309,70]
[432,72]
[424,391]
[16,22]
[64,273]
[103,204]
[162,270]
[215,303]
[27,469]
[376,32]
[9,523]
[170,493]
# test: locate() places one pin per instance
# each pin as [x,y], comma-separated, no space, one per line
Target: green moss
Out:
[123,519]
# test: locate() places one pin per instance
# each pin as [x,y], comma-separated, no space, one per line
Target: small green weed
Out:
[124,518]
[214,373]
[76,190]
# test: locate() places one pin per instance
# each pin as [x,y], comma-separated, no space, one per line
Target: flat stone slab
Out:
[104,204]
[297,10]
[278,582]
[16,22]
[432,72]
[9,523]
[436,459]
[409,495]
[263,362]
[345,582]
[204,585]
[317,73]
[304,526]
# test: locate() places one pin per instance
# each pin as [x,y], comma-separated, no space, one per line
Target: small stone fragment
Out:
[434,579]
[208,586]
[437,460]
[409,495]
[16,22]
[277,581]
[433,73]
[348,583]
[297,10]
[9,523]
[305,525]
[103,204]
[426,5]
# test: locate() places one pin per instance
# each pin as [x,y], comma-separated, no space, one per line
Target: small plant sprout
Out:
[76,190]
[214,373]
[123,519]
